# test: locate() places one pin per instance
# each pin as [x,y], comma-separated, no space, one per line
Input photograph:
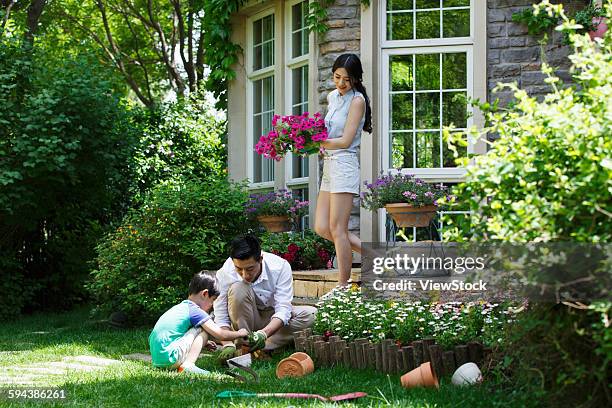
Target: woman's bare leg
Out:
[322,224]
[339,212]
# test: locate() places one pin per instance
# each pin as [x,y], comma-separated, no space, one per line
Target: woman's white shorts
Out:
[340,173]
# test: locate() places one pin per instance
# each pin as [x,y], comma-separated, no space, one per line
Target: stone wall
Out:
[515,56]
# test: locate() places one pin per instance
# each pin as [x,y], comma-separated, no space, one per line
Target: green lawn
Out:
[51,337]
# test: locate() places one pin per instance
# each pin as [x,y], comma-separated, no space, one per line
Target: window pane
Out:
[428,24]
[401,111]
[297,17]
[454,71]
[447,154]
[257,57]
[257,159]
[399,5]
[455,3]
[428,110]
[268,27]
[299,35]
[456,23]
[257,32]
[428,149]
[401,72]
[454,109]
[268,54]
[257,96]
[401,156]
[428,71]
[299,167]
[424,4]
[299,80]
[399,26]
[268,94]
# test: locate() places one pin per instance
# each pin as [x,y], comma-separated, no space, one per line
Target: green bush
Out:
[548,178]
[180,139]
[303,251]
[184,226]
[64,155]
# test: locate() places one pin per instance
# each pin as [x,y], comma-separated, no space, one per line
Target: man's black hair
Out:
[201,281]
[245,247]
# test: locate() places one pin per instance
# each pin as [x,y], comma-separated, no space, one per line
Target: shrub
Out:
[548,178]
[303,251]
[179,139]
[64,155]
[184,226]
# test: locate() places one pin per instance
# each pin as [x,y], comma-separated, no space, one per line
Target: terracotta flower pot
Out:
[296,365]
[467,374]
[422,376]
[601,29]
[275,223]
[405,215]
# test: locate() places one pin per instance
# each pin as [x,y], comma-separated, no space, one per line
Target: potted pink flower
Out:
[300,134]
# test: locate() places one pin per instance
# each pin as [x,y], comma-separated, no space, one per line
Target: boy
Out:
[181,332]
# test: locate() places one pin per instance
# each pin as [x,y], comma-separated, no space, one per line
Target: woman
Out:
[348,114]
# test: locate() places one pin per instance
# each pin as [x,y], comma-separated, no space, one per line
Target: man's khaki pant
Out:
[247,312]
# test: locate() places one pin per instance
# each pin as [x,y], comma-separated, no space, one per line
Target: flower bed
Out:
[303,251]
[350,316]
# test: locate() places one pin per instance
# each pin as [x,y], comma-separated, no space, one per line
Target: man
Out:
[255,293]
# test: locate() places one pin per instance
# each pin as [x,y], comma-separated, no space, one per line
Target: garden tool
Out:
[334,398]
[238,366]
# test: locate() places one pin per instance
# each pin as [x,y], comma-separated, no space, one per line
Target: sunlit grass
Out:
[52,337]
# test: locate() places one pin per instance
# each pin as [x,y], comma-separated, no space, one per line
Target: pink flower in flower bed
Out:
[299,134]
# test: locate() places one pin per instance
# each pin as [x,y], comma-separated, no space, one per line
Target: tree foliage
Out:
[63,171]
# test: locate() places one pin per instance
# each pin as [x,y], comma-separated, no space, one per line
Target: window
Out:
[427,53]
[297,93]
[261,83]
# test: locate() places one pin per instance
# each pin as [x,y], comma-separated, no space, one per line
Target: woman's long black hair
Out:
[352,64]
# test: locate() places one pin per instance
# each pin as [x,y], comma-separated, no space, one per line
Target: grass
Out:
[51,337]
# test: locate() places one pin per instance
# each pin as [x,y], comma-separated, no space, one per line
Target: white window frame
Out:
[291,64]
[421,46]
[253,76]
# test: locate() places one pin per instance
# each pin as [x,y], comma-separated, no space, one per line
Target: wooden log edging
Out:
[387,356]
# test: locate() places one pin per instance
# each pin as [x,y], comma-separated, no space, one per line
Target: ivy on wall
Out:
[220,54]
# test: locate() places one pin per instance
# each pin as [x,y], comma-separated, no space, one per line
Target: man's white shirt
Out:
[273,287]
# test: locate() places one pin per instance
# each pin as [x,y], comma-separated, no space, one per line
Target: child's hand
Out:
[243,332]
[211,345]
[257,340]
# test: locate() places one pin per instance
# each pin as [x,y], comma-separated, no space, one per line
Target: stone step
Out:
[316,283]
[91,360]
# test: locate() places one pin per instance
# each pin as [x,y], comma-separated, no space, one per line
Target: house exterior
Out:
[421,58]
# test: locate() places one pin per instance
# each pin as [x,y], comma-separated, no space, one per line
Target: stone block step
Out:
[316,283]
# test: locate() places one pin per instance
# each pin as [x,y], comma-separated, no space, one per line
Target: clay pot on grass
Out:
[422,376]
[296,365]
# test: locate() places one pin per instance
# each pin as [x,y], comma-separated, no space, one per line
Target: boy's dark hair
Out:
[201,281]
[245,247]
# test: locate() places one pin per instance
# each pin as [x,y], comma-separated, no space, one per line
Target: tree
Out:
[155,45]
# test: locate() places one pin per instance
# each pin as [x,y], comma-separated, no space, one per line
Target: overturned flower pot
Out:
[422,376]
[296,365]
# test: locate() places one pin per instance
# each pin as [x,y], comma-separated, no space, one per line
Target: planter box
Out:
[387,357]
